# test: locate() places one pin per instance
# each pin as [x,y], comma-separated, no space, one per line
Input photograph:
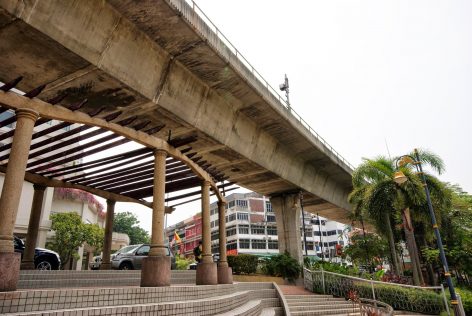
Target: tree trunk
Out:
[412,248]
[431,276]
[391,242]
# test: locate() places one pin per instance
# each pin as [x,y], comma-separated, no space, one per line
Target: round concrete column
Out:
[206,270]
[156,267]
[225,273]
[106,264]
[33,227]
[10,198]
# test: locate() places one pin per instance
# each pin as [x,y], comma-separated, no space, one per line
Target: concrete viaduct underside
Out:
[159,61]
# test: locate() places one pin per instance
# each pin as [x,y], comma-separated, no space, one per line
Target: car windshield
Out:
[128,249]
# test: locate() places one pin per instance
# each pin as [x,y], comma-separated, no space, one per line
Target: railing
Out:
[209,31]
[371,307]
[426,300]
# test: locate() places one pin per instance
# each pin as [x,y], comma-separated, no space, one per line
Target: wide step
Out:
[350,311]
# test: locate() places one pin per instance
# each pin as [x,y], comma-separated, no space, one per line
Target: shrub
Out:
[401,298]
[182,263]
[282,265]
[243,263]
[466,298]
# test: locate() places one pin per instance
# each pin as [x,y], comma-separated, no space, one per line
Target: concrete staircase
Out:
[313,304]
[34,279]
[229,300]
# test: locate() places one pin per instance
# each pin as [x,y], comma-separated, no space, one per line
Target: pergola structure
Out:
[157,168]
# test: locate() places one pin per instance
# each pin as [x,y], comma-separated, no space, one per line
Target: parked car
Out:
[96,262]
[131,257]
[44,259]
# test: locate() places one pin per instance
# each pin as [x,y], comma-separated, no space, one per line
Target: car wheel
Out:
[44,264]
[126,266]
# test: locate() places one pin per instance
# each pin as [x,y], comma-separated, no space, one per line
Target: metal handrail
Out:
[378,305]
[372,282]
[189,9]
[381,282]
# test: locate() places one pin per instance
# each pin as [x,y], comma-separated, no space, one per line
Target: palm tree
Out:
[372,195]
[377,195]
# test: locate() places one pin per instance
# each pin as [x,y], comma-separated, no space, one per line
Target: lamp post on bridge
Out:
[400,178]
[285,87]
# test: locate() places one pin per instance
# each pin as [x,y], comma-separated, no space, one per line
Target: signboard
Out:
[232,252]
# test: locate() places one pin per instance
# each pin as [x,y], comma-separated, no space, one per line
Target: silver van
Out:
[131,257]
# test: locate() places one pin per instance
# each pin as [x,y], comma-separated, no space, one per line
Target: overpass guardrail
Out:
[195,16]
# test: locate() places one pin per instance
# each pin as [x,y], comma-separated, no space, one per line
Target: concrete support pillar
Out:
[33,227]
[206,270]
[10,198]
[287,214]
[156,267]
[106,263]
[225,273]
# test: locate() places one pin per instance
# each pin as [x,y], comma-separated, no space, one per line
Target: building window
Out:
[268,206]
[258,244]
[241,203]
[214,235]
[257,230]
[230,231]
[230,218]
[230,204]
[270,218]
[244,243]
[309,245]
[273,244]
[231,245]
[272,230]
[340,232]
[243,229]
[243,216]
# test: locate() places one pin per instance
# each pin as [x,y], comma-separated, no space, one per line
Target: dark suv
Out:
[44,259]
[131,257]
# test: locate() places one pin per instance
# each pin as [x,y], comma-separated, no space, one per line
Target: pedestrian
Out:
[197,252]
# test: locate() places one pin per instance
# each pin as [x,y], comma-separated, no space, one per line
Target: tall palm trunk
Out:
[412,248]
[391,242]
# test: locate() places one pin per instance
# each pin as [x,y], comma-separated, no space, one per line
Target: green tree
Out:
[71,233]
[457,230]
[127,223]
[370,249]
[387,203]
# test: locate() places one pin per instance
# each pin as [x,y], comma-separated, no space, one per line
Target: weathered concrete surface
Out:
[287,213]
[145,59]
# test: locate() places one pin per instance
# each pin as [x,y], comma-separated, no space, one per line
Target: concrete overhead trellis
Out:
[126,177]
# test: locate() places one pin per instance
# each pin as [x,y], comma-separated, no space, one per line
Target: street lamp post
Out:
[285,87]
[400,178]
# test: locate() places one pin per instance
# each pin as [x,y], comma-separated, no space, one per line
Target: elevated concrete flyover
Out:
[164,61]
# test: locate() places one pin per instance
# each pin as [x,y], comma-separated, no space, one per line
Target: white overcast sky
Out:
[363,74]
